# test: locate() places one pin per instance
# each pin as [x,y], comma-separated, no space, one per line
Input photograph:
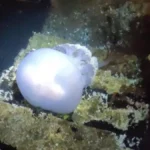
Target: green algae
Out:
[94,110]
[112,84]
[39,40]
[120,74]
[21,129]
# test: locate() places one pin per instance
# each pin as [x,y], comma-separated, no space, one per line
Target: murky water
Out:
[17,22]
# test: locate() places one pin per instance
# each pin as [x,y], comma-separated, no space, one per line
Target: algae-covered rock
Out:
[94,110]
[93,22]
[21,129]
[120,74]
[112,83]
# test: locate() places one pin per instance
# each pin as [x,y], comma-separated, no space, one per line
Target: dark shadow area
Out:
[6,147]
[140,36]
[18,21]
[138,43]
[140,46]
[132,132]
[104,126]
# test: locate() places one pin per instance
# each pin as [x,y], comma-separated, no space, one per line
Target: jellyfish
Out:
[54,78]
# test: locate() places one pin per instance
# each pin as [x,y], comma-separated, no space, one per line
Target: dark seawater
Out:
[17,22]
[6,147]
[141,46]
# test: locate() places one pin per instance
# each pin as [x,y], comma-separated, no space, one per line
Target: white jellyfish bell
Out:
[54,79]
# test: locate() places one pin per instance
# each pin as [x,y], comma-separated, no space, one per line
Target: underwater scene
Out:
[74,75]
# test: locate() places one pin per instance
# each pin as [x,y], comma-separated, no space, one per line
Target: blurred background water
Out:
[18,19]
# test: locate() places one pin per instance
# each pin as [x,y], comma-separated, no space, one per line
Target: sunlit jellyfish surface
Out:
[54,78]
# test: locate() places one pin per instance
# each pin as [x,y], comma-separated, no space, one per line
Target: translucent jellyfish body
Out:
[54,79]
